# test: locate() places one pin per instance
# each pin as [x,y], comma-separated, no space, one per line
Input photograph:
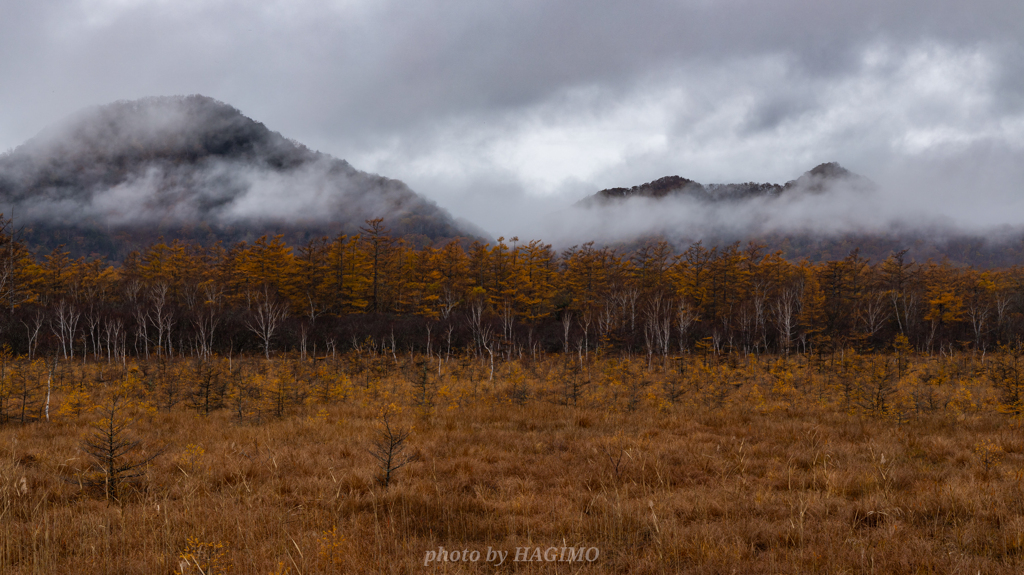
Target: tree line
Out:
[507,298]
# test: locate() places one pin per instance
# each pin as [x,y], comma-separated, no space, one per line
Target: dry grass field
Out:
[848,464]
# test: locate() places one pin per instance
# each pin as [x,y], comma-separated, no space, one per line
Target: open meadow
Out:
[378,463]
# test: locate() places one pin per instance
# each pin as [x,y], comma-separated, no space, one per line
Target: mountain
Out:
[117,176]
[816,181]
[822,215]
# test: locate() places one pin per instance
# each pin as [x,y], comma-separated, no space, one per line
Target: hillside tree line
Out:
[507,298]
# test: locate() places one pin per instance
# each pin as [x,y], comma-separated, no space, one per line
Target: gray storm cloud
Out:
[504,112]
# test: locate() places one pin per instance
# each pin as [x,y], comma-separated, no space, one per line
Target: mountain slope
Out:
[818,180]
[822,215]
[195,168]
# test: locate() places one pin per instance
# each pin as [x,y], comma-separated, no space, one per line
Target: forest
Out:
[355,404]
[509,298]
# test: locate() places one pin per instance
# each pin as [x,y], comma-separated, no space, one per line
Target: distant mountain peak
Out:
[172,128]
[830,170]
[816,180]
[660,188]
[174,162]
[823,176]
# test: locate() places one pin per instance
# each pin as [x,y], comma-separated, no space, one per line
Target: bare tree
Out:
[873,313]
[93,320]
[760,301]
[303,339]
[267,315]
[208,318]
[1004,300]
[33,331]
[566,326]
[977,312]
[508,319]
[447,302]
[665,337]
[649,342]
[657,328]
[64,325]
[476,314]
[904,305]
[786,308]
[448,351]
[141,329]
[627,300]
[51,366]
[606,320]
[113,330]
[487,343]
[162,317]
[685,317]
[584,322]
[652,331]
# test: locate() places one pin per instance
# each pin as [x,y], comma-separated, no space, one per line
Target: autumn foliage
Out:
[330,294]
[349,404]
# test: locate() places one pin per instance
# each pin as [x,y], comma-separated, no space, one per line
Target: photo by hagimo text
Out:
[352,405]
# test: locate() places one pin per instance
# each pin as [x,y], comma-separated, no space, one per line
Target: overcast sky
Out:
[502,111]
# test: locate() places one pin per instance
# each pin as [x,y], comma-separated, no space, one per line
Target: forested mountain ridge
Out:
[816,180]
[113,178]
[822,215]
[119,178]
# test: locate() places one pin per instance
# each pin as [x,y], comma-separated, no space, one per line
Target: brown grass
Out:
[785,480]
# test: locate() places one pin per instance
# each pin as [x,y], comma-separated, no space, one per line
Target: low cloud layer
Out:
[224,192]
[838,211]
[176,161]
[503,113]
[923,123]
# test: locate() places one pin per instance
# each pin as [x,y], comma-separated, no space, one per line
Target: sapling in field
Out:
[116,456]
[389,444]
[423,388]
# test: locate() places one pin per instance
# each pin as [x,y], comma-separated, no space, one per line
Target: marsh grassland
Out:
[364,463]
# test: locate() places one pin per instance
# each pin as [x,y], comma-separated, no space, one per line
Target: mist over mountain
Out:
[822,215]
[819,180]
[115,178]
[194,168]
